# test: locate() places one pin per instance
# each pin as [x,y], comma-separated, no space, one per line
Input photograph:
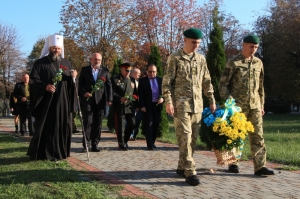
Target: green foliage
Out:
[279,46]
[35,53]
[164,125]
[110,117]
[216,59]
[155,59]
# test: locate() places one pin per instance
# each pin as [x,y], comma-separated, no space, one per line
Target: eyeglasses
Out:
[128,71]
[151,71]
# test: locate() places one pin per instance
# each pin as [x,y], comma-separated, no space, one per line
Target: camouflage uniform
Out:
[242,79]
[185,78]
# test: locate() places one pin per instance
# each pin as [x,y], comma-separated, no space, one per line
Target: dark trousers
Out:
[92,122]
[138,119]
[152,119]
[124,124]
[25,114]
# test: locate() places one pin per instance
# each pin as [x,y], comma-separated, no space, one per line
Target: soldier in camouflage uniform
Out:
[242,79]
[186,76]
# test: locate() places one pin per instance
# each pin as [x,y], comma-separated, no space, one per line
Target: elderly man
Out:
[136,73]
[124,90]
[186,76]
[93,102]
[242,79]
[21,92]
[52,102]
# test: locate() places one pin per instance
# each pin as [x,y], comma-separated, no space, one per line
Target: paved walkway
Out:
[152,173]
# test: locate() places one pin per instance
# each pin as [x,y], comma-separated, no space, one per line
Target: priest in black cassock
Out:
[52,99]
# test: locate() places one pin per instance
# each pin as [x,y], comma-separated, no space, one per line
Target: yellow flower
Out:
[229,141]
[215,128]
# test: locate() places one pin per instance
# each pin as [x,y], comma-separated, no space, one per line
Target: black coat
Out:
[52,111]
[19,93]
[122,86]
[86,81]
[13,104]
[145,92]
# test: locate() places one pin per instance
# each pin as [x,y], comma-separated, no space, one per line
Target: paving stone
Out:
[152,174]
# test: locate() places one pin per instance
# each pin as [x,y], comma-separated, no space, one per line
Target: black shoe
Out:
[95,149]
[123,148]
[75,131]
[180,172]
[193,180]
[154,146]
[264,171]
[233,168]
[151,148]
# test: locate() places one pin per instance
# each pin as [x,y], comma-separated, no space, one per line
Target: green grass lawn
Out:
[281,133]
[21,178]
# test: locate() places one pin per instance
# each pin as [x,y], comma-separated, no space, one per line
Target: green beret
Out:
[251,39]
[193,33]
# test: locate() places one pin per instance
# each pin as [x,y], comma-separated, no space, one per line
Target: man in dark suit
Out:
[125,101]
[93,101]
[150,101]
[21,92]
[136,73]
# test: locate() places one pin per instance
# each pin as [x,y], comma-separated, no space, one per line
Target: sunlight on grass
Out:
[21,178]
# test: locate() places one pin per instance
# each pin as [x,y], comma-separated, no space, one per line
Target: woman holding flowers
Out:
[242,79]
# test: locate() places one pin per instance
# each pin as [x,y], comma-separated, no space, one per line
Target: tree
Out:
[232,30]
[165,22]
[216,59]
[74,54]
[35,53]
[11,60]
[110,117]
[156,60]
[98,26]
[280,51]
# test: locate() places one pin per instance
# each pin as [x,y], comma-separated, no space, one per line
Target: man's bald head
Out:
[135,73]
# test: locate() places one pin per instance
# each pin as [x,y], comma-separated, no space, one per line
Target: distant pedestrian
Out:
[22,93]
